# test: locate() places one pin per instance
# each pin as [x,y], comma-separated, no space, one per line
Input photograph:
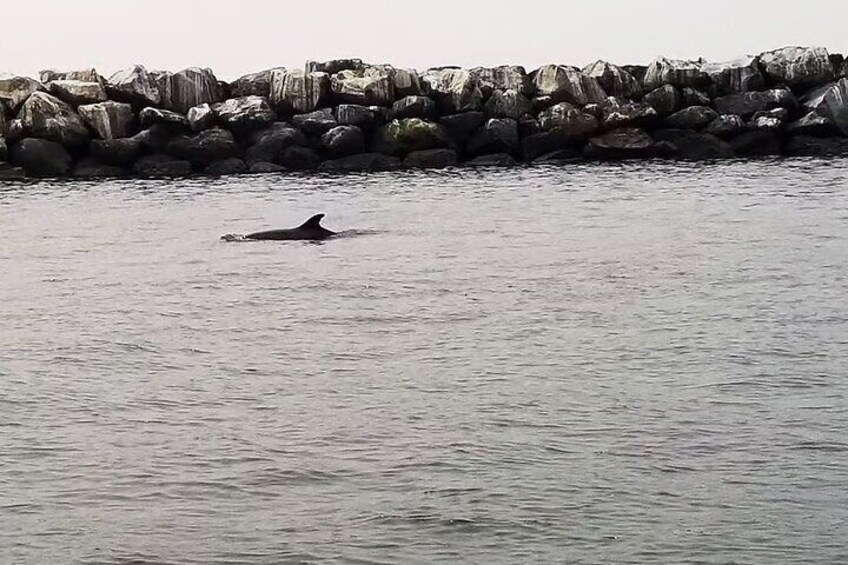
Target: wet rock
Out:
[15,131]
[461,127]
[315,123]
[546,143]
[203,148]
[431,159]
[726,126]
[334,66]
[4,150]
[84,75]
[8,172]
[161,166]
[201,117]
[134,86]
[269,144]
[807,146]
[694,117]
[750,103]
[503,78]
[47,117]
[368,86]
[831,102]
[365,162]
[694,97]
[625,143]
[614,80]
[41,158]
[528,125]
[244,115]
[414,107]
[109,120]
[757,143]
[496,136]
[192,87]
[695,146]
[508,104]
[229,166]
[496,160]
[621,113]
[156,138]
[152,116]
[76,93]
[342,141]
[798,66]
[400,137]
[813,125]
[366,118]
[454,90]
[296,91]
[298,158]
[117,152]
[665,100]
[568,120]
[15,90]
[254,84]
[263,167]
[735,77]
[676,73]
[567,84]
[93,169]
[560,156]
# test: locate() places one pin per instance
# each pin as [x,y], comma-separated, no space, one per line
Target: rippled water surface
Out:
[634,364]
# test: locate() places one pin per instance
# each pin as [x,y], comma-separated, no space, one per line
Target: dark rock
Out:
[203,148]
[568,120]
[229,166]
[296,91]
[41,158]
[596,110]
[614,80]
[4,150]
[461,127]
[620,113]
[735,77]
[296,158]
[201,117]
[334,66]
[414,107]
[508,104]
[626,143]
[694,117]
[244,115]
[496,160]
[15,90]
[366,118]
[92,169]
[528,126]
[695,146]
[400,137]
[152,116]
[254,84]
[694,97]
[342,141]
[262,167]
[798,66]
[269,144]
[316,123]
[47,117]
[637,71]
[830,101]
[8,172]
[536,145]
[502,78]
[750,103]
[134,86]
[666,100]
[813,125]
[567,84]
[676,73]
[110,120]
[431,159]
[367,86]
[454,90]
[156,138]
[560,156]
[726,126]
[116,152]
[496,136]
[77,93]
[15,131]
[191,87]
[757,143]
[84,75]
[159,165]
[807,146]
[364,162]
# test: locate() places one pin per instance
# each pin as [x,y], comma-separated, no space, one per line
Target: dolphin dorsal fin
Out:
[314,222]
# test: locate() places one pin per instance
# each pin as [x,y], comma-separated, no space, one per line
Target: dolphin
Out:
[311,229]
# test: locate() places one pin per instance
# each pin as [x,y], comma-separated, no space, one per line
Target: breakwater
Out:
[347,115]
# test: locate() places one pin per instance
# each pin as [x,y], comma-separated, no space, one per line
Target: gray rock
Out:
[244,115]
[831,102]
[152,116]
[84,75]
[296,91]
[229,166]
[76,93]
[676,73]
[622,113]
[496,160]
[757,143]
[626,143]
[370,162]
[431,159]
[566,84]
[455,90]
[15,90]
[508,104]
[537,145]
[262,167]
[694,117]
[735,77]
[315,123]
[414,107]
[406,82]
[191,87]
[665,100]
[807,146]
[254,84]
[109,120]
[813,125]
[366,118]
[461,127]
[798,66]
[161,166]
[694,97]
[47,117]
[203,148]
[568,120]
[93,169]
[750,103]
[117,152]
[269,144]
[726,126]
[614,80]
[157,137]
[368,86]
[15,131]
[762,122]
[201,117]
[41,158]
[503,78]
[298,158]
[496,136]
[134,86]
[342,141]
[528,125]
[400,137]
[334,66]
[695,146]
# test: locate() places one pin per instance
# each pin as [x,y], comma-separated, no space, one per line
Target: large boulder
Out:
[47,117]
[496,136]
[369,86]
[676,73]
[414,107]
[406,81]
[735,77]
[461,127]
[161,166]
[695,146]
[342,141]
[665,100]
[557,83]
[371,162]
[42,158]
[830,101]
[298,158]
[693,117]
[399,137]
[84,75]
[315,123]
[151,116]
[508,104]
[201,117]
[157,137]
[626,143]
[191,87]
[455,90]
[807,146]
[726,126]
[568,120]
[503,78]
[269,144]
[614,80]
[15,90]
[296,91]
[244,115]
[229,166]
[798,66]
[135,86]
[622,113]
[203,148]
[543,144]
[254,84]
[117,152]
[15,131]
[813,124]
[750,103]
[109,120]
[758,143]
[77,92]
[694,97]
[366,118]
[431,159]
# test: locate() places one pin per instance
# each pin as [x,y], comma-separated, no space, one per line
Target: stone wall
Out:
[346,115]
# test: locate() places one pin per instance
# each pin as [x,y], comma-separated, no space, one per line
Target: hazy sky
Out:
[236,37]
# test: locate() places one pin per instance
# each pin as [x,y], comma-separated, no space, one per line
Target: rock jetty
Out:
[347,115]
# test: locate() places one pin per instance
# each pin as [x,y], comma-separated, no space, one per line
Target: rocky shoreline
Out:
[346,115]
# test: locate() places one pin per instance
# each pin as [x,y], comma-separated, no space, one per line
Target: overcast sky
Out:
[236,37]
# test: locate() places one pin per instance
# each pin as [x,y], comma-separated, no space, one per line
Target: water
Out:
[623,364]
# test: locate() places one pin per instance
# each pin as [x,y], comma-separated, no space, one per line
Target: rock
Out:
[157,137]
[117,152]
[342,141]
[503,78]
[254,84]
[4,150]
[406,82]
[637,71]
[496,160]
[76,93]
[8,172]
[47,117]
[269,144]
[545,143]
[229,166]
[735,77]
[726,126]
[162,166]
[596,110]
[134,86]
[567,84]
[666,100]
[201,117]
[15,90]
[798,66]
[92,169]
[262,167]
[626,143]
[496,136]
[298,158]
[569,154]
[152,116]
[806,146]
[192,87]
[528,125]
[568,120]
[399,137]
[109,120]
[831,102]
[15,131]
[296,91]
[334,66]
[614,80]
[620,113]
[676,73]
[315,123]
[41,158]
[813,125]
[244,115]
[431,159]
[203,148]
[757,143]
[695,146]
[694,117]
[454,90]
[366,118]
[461,127]
[694,97]
[368,86]
[370,162]
[414,107]
[764,122]
[84,75]
[508,104]
[750,103]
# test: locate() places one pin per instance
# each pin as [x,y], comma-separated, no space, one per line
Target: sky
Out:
[235,37]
